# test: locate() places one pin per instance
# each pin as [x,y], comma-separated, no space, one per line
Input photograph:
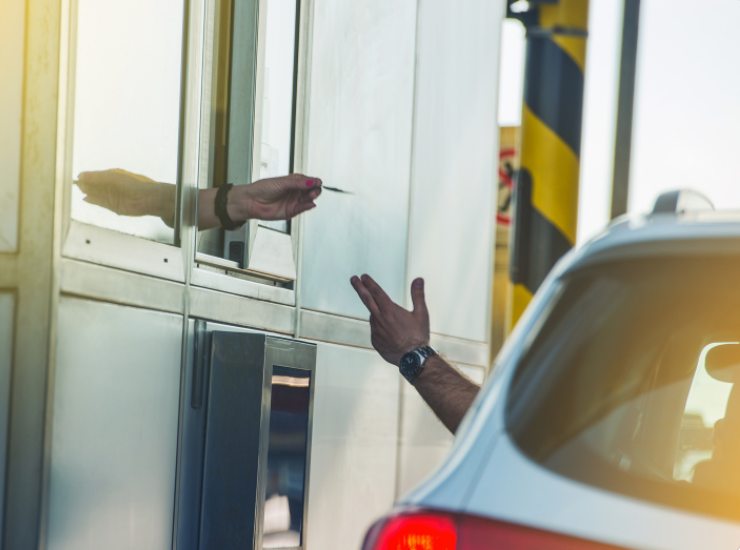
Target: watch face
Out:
[410,361]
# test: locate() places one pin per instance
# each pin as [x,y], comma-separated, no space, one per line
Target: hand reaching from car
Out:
[393,329]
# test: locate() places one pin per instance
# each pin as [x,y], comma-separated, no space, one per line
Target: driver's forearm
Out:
[447,391]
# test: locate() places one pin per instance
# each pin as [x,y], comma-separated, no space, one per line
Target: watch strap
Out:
[222,196]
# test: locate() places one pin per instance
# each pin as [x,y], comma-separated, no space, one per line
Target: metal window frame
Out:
[236,65]
[104,246]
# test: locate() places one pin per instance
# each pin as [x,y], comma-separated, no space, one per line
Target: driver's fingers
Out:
[378,294]
[365,296]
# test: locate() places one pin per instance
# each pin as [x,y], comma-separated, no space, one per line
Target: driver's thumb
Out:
[417,297]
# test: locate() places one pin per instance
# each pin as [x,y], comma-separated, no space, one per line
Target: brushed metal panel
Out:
[221,281]
[12,25]
[454,162]
[114,427]
[358,138]
[103,246]
[353,456]
[239,310]
[7,308]
[108,284]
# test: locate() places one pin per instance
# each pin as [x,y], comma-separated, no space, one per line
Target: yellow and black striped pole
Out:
[546,190]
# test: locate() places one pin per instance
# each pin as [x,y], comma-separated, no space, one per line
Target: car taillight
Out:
[413,531]
[436,530]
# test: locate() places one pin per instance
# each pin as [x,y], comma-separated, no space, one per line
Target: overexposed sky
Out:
[686,129]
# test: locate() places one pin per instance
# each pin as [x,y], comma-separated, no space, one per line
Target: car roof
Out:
[660,235]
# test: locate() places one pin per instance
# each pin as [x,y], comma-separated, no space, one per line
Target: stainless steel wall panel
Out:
[7,312]
[315,325]
[353,458]
[424,441]
[455,159]
[114,427]
[108,247]
[207,278]
[337,330]
[358,138]
[12,25]
[124,287]
[238,310]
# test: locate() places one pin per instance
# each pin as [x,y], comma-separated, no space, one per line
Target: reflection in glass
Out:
[126,103]
[633,383]
[286,461]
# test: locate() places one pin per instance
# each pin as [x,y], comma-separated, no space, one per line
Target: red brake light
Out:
[415,531]
[433,530]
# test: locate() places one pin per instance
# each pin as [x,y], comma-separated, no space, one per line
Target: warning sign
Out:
[508,162]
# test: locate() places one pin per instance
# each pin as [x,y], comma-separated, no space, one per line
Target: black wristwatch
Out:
[412,363]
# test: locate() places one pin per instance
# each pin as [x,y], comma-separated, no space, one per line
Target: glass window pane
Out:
[275,116]
[251,97]
[126,113]
[631,383]
[277,88]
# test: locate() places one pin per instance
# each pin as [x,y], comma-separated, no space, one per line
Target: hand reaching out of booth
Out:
[269,199]
[130,194]
[277,198]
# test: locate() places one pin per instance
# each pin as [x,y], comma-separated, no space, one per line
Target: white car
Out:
[611,418]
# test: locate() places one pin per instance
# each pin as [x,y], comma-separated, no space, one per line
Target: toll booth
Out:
[168,385]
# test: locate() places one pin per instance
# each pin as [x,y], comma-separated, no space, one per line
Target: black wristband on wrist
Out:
[222,196]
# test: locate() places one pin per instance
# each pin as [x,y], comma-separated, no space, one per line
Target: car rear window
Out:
[630,383]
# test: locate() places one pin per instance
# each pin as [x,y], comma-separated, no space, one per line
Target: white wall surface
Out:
[12,24]
[7,305]
[114,438]
[455,160]
[353,453]
[358,138]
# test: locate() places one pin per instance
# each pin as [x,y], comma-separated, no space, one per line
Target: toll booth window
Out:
[277,85]
[252,99]
[126,81]
[284,504]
